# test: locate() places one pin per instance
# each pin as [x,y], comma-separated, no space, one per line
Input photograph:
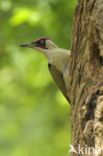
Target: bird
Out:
[57,61]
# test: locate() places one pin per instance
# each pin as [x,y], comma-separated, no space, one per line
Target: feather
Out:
[58,77]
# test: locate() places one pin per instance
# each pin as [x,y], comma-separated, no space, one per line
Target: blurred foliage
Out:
[34,115]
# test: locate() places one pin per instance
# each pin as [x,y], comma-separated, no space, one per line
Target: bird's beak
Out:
[29,45]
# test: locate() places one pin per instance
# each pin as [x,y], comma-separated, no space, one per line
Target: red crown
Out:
[42,38]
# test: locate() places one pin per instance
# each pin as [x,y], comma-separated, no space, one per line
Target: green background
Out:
[34,115]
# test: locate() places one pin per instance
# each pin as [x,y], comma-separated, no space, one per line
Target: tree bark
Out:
[86,77]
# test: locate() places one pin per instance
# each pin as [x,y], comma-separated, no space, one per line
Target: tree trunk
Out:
[86,78]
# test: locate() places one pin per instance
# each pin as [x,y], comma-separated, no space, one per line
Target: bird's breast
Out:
[58,58]
[59,63]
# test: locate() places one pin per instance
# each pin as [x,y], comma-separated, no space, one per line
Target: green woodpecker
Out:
[57,61]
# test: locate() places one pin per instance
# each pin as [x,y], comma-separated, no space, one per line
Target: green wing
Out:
[58,77]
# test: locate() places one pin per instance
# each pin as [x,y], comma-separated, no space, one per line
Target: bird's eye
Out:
[41,41]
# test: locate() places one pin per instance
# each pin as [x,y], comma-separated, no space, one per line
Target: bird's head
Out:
[55,55]
[41,44]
